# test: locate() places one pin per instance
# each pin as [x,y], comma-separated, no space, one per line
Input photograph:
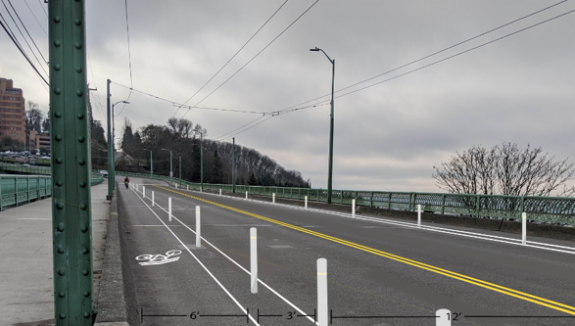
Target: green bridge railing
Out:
[559,210]
[19,189]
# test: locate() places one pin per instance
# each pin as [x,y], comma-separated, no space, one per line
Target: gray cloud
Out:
[388,137]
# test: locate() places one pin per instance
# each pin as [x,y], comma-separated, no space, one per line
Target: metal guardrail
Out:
[18,189]
[560,210]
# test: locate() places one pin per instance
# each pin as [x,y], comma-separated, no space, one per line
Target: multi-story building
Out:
[12,111]
[43,140]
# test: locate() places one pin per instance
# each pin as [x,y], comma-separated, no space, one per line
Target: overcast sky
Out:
[388,137]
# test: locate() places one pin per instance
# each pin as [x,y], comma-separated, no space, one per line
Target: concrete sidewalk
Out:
[26,275]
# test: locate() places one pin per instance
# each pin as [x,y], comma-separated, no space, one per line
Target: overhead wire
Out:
[460,53]
[322,103]
[254,57]
[433,54]
[252,121]
[246,129]
[25,40]
[199,108]
[129,54]
[41,5]
[235,54]
[26,30]
[326,102]
[97,100]
[36,18]
[19,47]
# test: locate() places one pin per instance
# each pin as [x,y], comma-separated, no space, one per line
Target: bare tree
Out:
[506,170]
[34,118]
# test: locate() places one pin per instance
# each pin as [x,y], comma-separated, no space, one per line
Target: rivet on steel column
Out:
[71,200]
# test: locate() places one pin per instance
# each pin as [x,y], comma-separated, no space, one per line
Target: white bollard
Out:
[137,187]
[198,228]
[305,200]
[144,192]
[353,208]
[419,215]
[220,192]
[153,201]
[254,258]
[322,313]
[524,228]
[274,198]
[170,209]
[188,187]
[246,195]
[443,317]
[176,186]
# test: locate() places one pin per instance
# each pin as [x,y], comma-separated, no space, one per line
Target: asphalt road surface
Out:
[378,274]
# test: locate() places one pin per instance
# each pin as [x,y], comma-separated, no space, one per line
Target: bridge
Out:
[164,251]
[195,265]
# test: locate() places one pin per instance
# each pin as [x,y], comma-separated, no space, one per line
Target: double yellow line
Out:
[487,285]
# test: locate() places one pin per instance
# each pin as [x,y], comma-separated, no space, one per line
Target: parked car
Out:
[104,173]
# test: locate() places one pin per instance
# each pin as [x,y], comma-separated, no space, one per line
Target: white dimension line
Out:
[494,238]
[233,261]
[199,262]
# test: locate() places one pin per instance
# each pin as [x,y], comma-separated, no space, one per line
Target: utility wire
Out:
[181,105]
[252,59]
[33,14]
[433,54]
[256,119]
[460,53]
[243,46]
[26,29]
[99,105]
[12,37]
[246,129]
[24,37]
[326,102]
[129,54]
[41,5]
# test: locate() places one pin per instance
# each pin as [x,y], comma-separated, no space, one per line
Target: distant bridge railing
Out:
[558,210]
[19,189]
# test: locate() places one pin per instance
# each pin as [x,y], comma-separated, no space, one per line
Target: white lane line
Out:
[199,262]
[232,225]
[242,268]
[487,237]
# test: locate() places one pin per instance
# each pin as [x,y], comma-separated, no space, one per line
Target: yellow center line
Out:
[494,287]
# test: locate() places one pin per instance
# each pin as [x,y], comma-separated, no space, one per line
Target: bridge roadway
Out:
[374,269]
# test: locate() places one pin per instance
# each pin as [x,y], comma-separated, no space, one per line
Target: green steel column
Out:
[110,149]
[330,171]
[171,167]
[151,164]
[201,161]
[234,165]
[71,202]
[180,171]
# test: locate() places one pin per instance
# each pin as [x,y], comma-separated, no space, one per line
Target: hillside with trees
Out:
[182,137]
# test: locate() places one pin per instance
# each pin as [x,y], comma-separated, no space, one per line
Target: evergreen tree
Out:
[217,172]
[253,181]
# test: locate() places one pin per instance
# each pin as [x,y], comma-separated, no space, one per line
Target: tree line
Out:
[182,137]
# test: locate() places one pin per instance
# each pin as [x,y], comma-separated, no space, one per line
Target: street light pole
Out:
[234,165]
[330,169]
[110,146]
[171,167]
[180,171]
[113,176]
[151,162]
[201,162]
